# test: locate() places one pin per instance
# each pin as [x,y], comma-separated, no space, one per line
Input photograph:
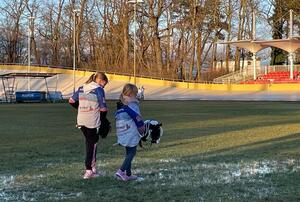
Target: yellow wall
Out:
[157,82]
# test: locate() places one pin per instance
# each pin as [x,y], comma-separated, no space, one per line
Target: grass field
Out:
[210,151]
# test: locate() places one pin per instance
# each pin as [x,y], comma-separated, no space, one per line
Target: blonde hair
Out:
[99,75]
[128,90]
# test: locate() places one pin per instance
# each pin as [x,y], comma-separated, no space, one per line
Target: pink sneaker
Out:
[132,177]
[89,174]
[121,175]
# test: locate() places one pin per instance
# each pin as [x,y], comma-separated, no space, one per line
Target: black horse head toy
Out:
[153,132]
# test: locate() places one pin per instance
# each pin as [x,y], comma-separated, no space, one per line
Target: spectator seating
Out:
[275,77]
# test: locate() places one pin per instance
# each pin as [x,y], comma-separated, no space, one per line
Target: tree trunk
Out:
[199,55]
[168,50]
[155,32]
[36,52]
[240,33]
[192,63]
[125,26]
[229,17]
[79,29]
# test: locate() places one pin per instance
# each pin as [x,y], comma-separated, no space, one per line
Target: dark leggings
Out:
[91,139]
[126,166]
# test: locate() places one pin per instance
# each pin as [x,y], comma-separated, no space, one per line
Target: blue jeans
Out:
[126,166]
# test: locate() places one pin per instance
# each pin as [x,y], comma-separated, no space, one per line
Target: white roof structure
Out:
[289,45]
[252,46]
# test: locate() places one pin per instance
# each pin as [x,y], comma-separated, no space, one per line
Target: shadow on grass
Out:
[282,147]
[194,131]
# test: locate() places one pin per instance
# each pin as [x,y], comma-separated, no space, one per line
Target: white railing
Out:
[278,68]
[234,77]
[240,75]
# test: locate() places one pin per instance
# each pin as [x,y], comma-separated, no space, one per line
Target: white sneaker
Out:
[89,174]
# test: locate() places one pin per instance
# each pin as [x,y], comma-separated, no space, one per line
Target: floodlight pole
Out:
[254,38]
[134,2]
[30,19]
[75,11]
[134,46]
[291,54]
[291,24]
[254,25]
[254,65]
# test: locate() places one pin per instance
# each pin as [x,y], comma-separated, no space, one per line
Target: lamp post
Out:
[291,54]
[30,19]
[254,38]
[75,11]
[134,2]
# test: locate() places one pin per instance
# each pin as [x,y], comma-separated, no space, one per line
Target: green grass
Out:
[210,151]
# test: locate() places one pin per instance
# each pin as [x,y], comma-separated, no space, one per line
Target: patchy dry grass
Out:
[210,151]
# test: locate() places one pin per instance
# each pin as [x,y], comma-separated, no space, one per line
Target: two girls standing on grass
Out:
[89,99]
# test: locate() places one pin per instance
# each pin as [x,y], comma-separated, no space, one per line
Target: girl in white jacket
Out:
[129,128]
[89,99]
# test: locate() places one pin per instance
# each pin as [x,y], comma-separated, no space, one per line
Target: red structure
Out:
[275,77]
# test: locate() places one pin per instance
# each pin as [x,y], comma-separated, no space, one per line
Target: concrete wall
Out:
[155,89]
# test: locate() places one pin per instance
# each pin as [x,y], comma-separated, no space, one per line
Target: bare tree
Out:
[174,38]
[12,12]
[32,10]
[51,30]
[155,12]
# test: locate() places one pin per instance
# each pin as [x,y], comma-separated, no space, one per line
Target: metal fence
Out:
[241,75]
[234,77]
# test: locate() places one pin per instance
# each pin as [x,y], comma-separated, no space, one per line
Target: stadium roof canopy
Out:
[289,45]
[33,75]
[252,46]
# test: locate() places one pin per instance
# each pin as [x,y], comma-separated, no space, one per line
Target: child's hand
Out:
[141,131]
[119,104]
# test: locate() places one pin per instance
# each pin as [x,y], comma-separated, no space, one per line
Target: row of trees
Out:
[174,38]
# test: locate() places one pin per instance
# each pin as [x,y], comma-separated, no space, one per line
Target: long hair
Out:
[128,90]
[96,75]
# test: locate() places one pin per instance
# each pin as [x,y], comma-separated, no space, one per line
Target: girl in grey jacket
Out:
[129,128]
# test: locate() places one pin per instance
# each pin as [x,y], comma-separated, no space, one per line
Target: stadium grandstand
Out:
[275,77]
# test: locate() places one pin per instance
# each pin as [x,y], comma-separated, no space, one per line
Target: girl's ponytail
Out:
[99,75]
[91,78]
